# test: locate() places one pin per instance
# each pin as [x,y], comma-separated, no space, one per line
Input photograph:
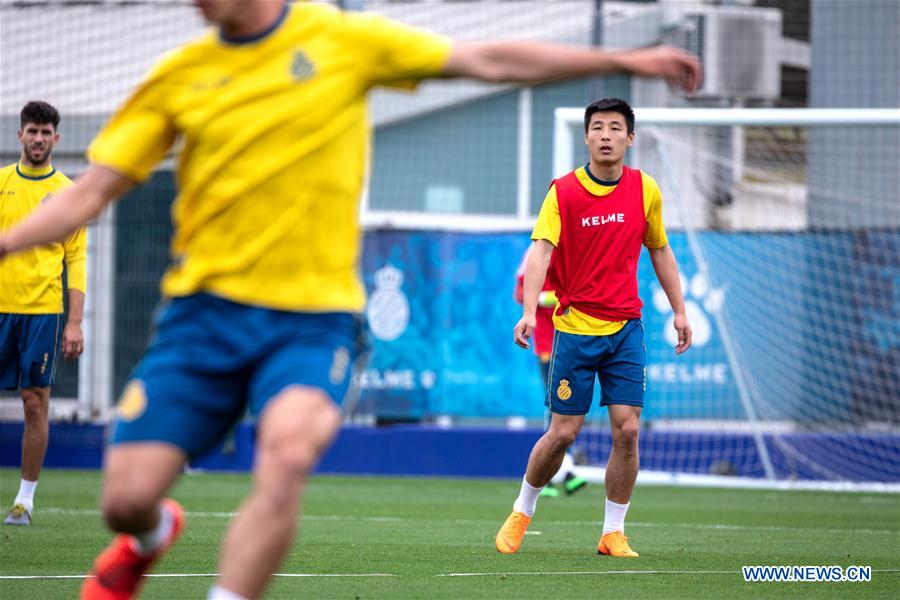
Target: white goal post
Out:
[567,121]
[690,148]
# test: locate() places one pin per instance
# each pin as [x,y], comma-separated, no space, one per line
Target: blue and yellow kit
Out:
[31,281]
[275,140]
[264,280]
[31,290]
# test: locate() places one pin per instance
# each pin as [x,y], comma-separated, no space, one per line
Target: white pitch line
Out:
[711,526]
[717,526]
[174,575]
[228,515]
[628,572]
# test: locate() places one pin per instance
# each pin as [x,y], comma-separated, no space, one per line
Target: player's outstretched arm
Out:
[66,211]
[666,268]
[535,274]
[535,62]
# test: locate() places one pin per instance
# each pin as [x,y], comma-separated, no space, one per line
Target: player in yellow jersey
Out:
[263,292]
[31,295]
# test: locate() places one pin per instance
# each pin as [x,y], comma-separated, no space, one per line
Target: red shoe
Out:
[118,571]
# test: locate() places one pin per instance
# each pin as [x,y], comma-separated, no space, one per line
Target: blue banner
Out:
[441,313]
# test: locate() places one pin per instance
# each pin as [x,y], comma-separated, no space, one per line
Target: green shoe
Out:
[549,492]
[574,483]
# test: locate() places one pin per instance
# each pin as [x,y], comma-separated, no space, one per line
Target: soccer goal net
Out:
[786,227]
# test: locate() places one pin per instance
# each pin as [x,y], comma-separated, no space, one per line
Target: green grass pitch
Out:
[433,538]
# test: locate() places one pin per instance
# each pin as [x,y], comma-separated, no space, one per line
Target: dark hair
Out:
[39,113]
[610,105]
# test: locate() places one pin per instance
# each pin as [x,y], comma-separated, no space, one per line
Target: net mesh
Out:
[790,280]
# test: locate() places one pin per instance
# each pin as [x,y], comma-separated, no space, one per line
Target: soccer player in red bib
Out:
[588,241]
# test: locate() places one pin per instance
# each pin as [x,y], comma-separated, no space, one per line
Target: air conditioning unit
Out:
[738,47]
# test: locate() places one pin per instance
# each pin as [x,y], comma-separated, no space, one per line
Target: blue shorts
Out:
[28,348]
[618,360]
[211,360]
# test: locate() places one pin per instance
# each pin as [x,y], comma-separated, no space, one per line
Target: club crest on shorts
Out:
[133,401]
[564,392]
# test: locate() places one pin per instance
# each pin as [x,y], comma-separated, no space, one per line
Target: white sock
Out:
[528,497]
[614,518]
[25,497]
[149,541]
[219,593]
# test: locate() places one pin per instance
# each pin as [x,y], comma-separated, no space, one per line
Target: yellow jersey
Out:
[274,143]
[548,228]
[31,281]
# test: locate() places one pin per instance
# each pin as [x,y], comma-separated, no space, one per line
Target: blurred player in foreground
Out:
[542,343]
[587,245]
[263,291]
[31,295]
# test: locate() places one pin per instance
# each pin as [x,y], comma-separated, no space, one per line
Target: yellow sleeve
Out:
[76,260]
[140,132]
[394,54]
[548,223]
[655,237]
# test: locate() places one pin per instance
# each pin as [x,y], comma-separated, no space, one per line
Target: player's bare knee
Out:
[290,459]
[295,461]
[314,432]
[34,406]
[281,474]
[625,435]
[297,456]
[563,434]
[563,438]
[34,413]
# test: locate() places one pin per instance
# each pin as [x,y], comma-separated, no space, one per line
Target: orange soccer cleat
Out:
[118,571]
[615,543]
[509,538]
